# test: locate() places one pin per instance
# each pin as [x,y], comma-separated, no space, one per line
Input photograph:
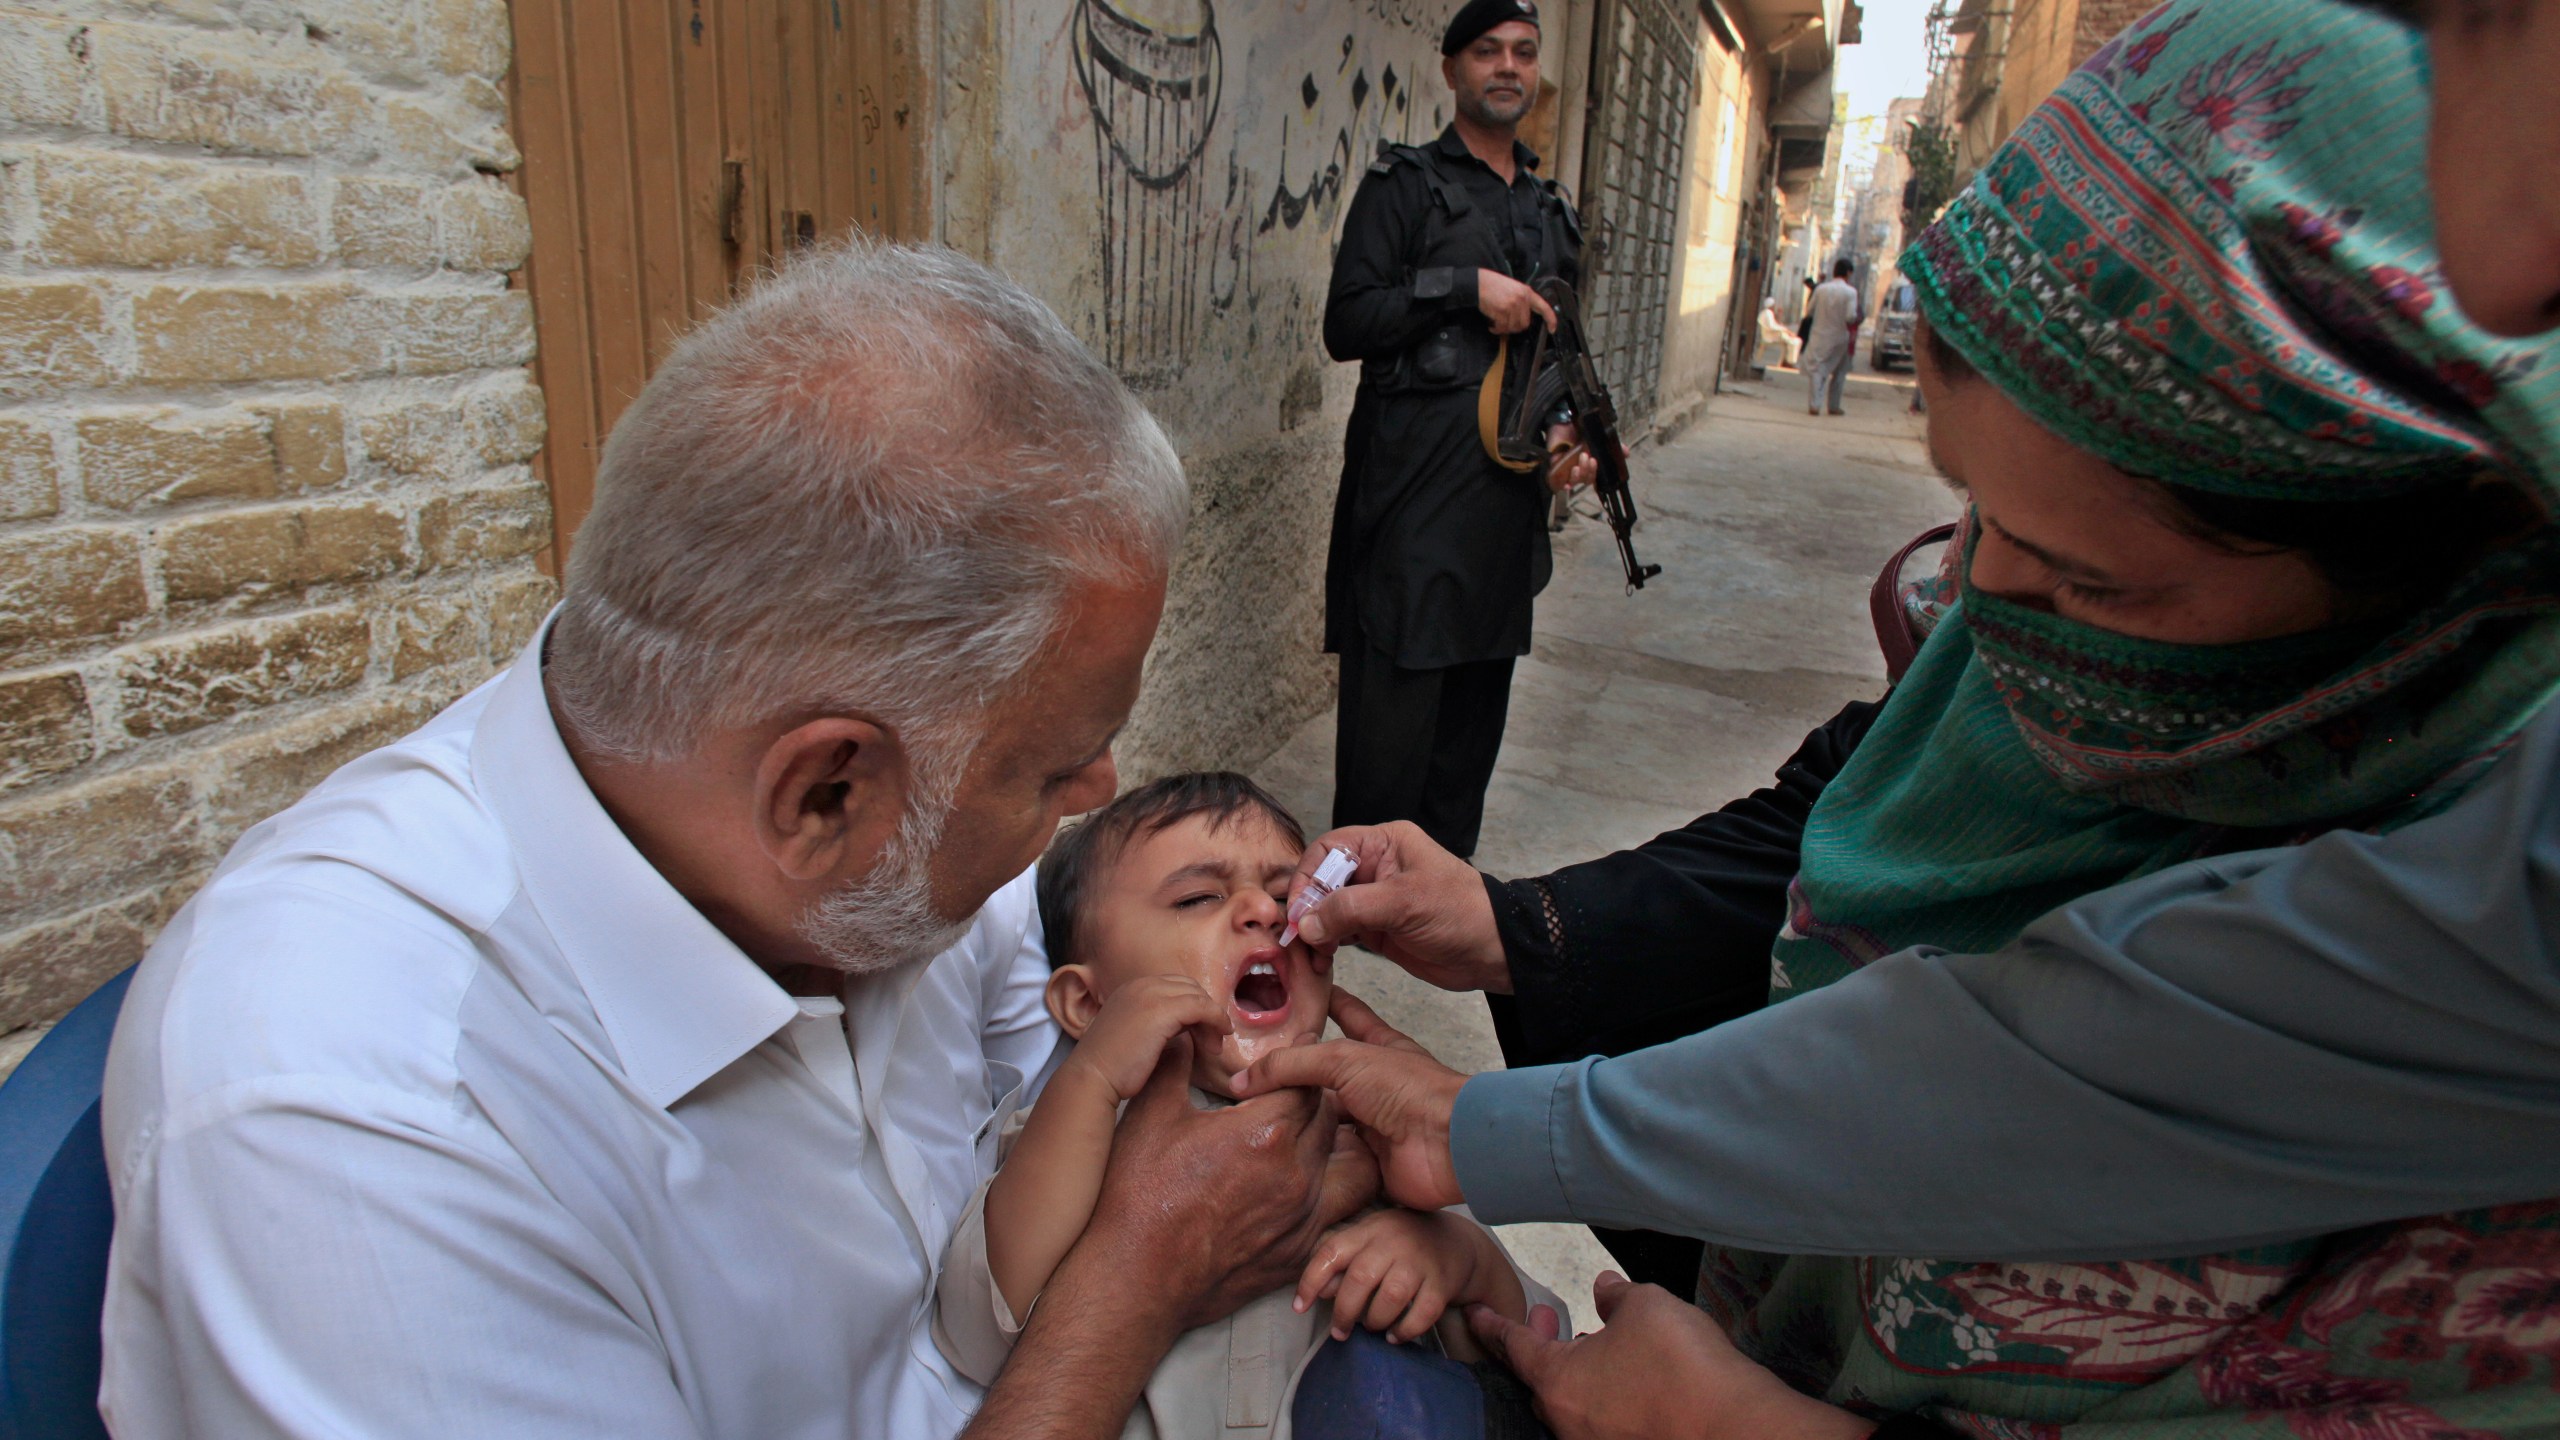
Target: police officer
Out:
[1437,548]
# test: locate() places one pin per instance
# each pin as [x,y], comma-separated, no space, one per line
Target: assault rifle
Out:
[1561,376]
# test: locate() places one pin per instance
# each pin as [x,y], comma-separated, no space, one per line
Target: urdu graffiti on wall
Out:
[1176,243]
[1343,158]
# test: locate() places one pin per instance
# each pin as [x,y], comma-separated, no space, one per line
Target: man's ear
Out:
[1072,1000]
[829,796]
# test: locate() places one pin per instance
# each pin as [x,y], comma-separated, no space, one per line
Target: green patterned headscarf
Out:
[2208,259]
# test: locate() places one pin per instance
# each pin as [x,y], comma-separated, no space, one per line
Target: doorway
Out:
[674,149]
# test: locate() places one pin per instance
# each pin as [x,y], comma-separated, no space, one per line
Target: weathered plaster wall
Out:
[1185,227]
[263,424]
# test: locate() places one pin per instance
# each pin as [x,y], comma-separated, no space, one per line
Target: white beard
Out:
[886,919]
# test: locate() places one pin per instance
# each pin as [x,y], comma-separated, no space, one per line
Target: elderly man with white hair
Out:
[615,1054]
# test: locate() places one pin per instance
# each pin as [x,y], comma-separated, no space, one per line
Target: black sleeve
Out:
[1662,941]
[1379,304]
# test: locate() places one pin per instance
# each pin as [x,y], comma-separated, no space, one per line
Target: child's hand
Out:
[1395,1268]
[1121,1046]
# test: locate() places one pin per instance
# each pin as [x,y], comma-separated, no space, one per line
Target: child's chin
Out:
[1216,1073]
[1215,1070]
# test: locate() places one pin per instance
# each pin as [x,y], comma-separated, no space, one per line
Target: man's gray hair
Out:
[867,487]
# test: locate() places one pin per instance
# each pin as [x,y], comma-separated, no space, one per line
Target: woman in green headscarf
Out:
[2234,570]
[2256,550]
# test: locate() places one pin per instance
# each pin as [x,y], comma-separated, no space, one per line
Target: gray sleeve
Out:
[2253,1048]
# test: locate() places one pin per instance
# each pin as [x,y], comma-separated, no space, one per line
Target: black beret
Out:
[1478,16]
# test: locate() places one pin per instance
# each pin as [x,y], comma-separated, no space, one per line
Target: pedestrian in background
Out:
[1438,549]
[1777,342]
[1833,334]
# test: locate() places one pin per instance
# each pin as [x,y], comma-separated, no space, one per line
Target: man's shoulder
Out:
[1398,169]
[293,980]
[336,941]
[406,824]
[1393,156]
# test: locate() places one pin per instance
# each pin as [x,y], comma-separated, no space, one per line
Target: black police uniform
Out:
[1437,550]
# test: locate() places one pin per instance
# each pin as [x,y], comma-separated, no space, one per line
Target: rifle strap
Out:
[1489,412]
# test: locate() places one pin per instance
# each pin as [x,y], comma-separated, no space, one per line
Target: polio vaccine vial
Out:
[1332,873]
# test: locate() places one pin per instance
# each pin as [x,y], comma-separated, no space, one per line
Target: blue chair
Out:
[55,1220]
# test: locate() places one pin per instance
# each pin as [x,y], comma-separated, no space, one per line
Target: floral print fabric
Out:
[2446,1328]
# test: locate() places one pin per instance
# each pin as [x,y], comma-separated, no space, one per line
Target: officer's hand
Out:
[1510,305]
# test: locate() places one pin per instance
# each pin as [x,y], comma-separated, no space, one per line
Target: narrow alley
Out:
[1636,713]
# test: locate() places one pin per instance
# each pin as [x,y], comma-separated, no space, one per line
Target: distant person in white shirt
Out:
[1837,312]
[617,1054]
[1777,342]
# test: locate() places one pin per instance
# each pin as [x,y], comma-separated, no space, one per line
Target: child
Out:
[1163,913]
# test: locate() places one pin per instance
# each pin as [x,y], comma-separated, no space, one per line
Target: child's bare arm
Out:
[1399,1270]
[1039,1202]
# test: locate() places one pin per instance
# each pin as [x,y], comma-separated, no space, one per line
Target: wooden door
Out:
[672,149]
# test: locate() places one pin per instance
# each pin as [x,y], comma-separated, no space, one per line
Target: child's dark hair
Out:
[1081,851]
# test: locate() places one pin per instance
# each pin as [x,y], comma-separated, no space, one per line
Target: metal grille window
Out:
[1644,81]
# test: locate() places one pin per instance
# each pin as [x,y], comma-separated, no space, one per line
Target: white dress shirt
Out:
[439,1113]
[1836,306]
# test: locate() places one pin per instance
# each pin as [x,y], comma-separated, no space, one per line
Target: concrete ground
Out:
[1634,714]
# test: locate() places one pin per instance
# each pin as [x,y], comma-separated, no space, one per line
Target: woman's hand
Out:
[1398,1095]
[1410,901]
[1658,1366]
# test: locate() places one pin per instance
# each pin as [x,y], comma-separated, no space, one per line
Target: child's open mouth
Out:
[1262,996]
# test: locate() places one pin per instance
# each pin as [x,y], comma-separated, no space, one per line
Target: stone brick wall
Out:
[264,427]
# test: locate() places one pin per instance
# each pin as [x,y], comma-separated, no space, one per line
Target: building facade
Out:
[1764,69]
[2000,58]
[313,315]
